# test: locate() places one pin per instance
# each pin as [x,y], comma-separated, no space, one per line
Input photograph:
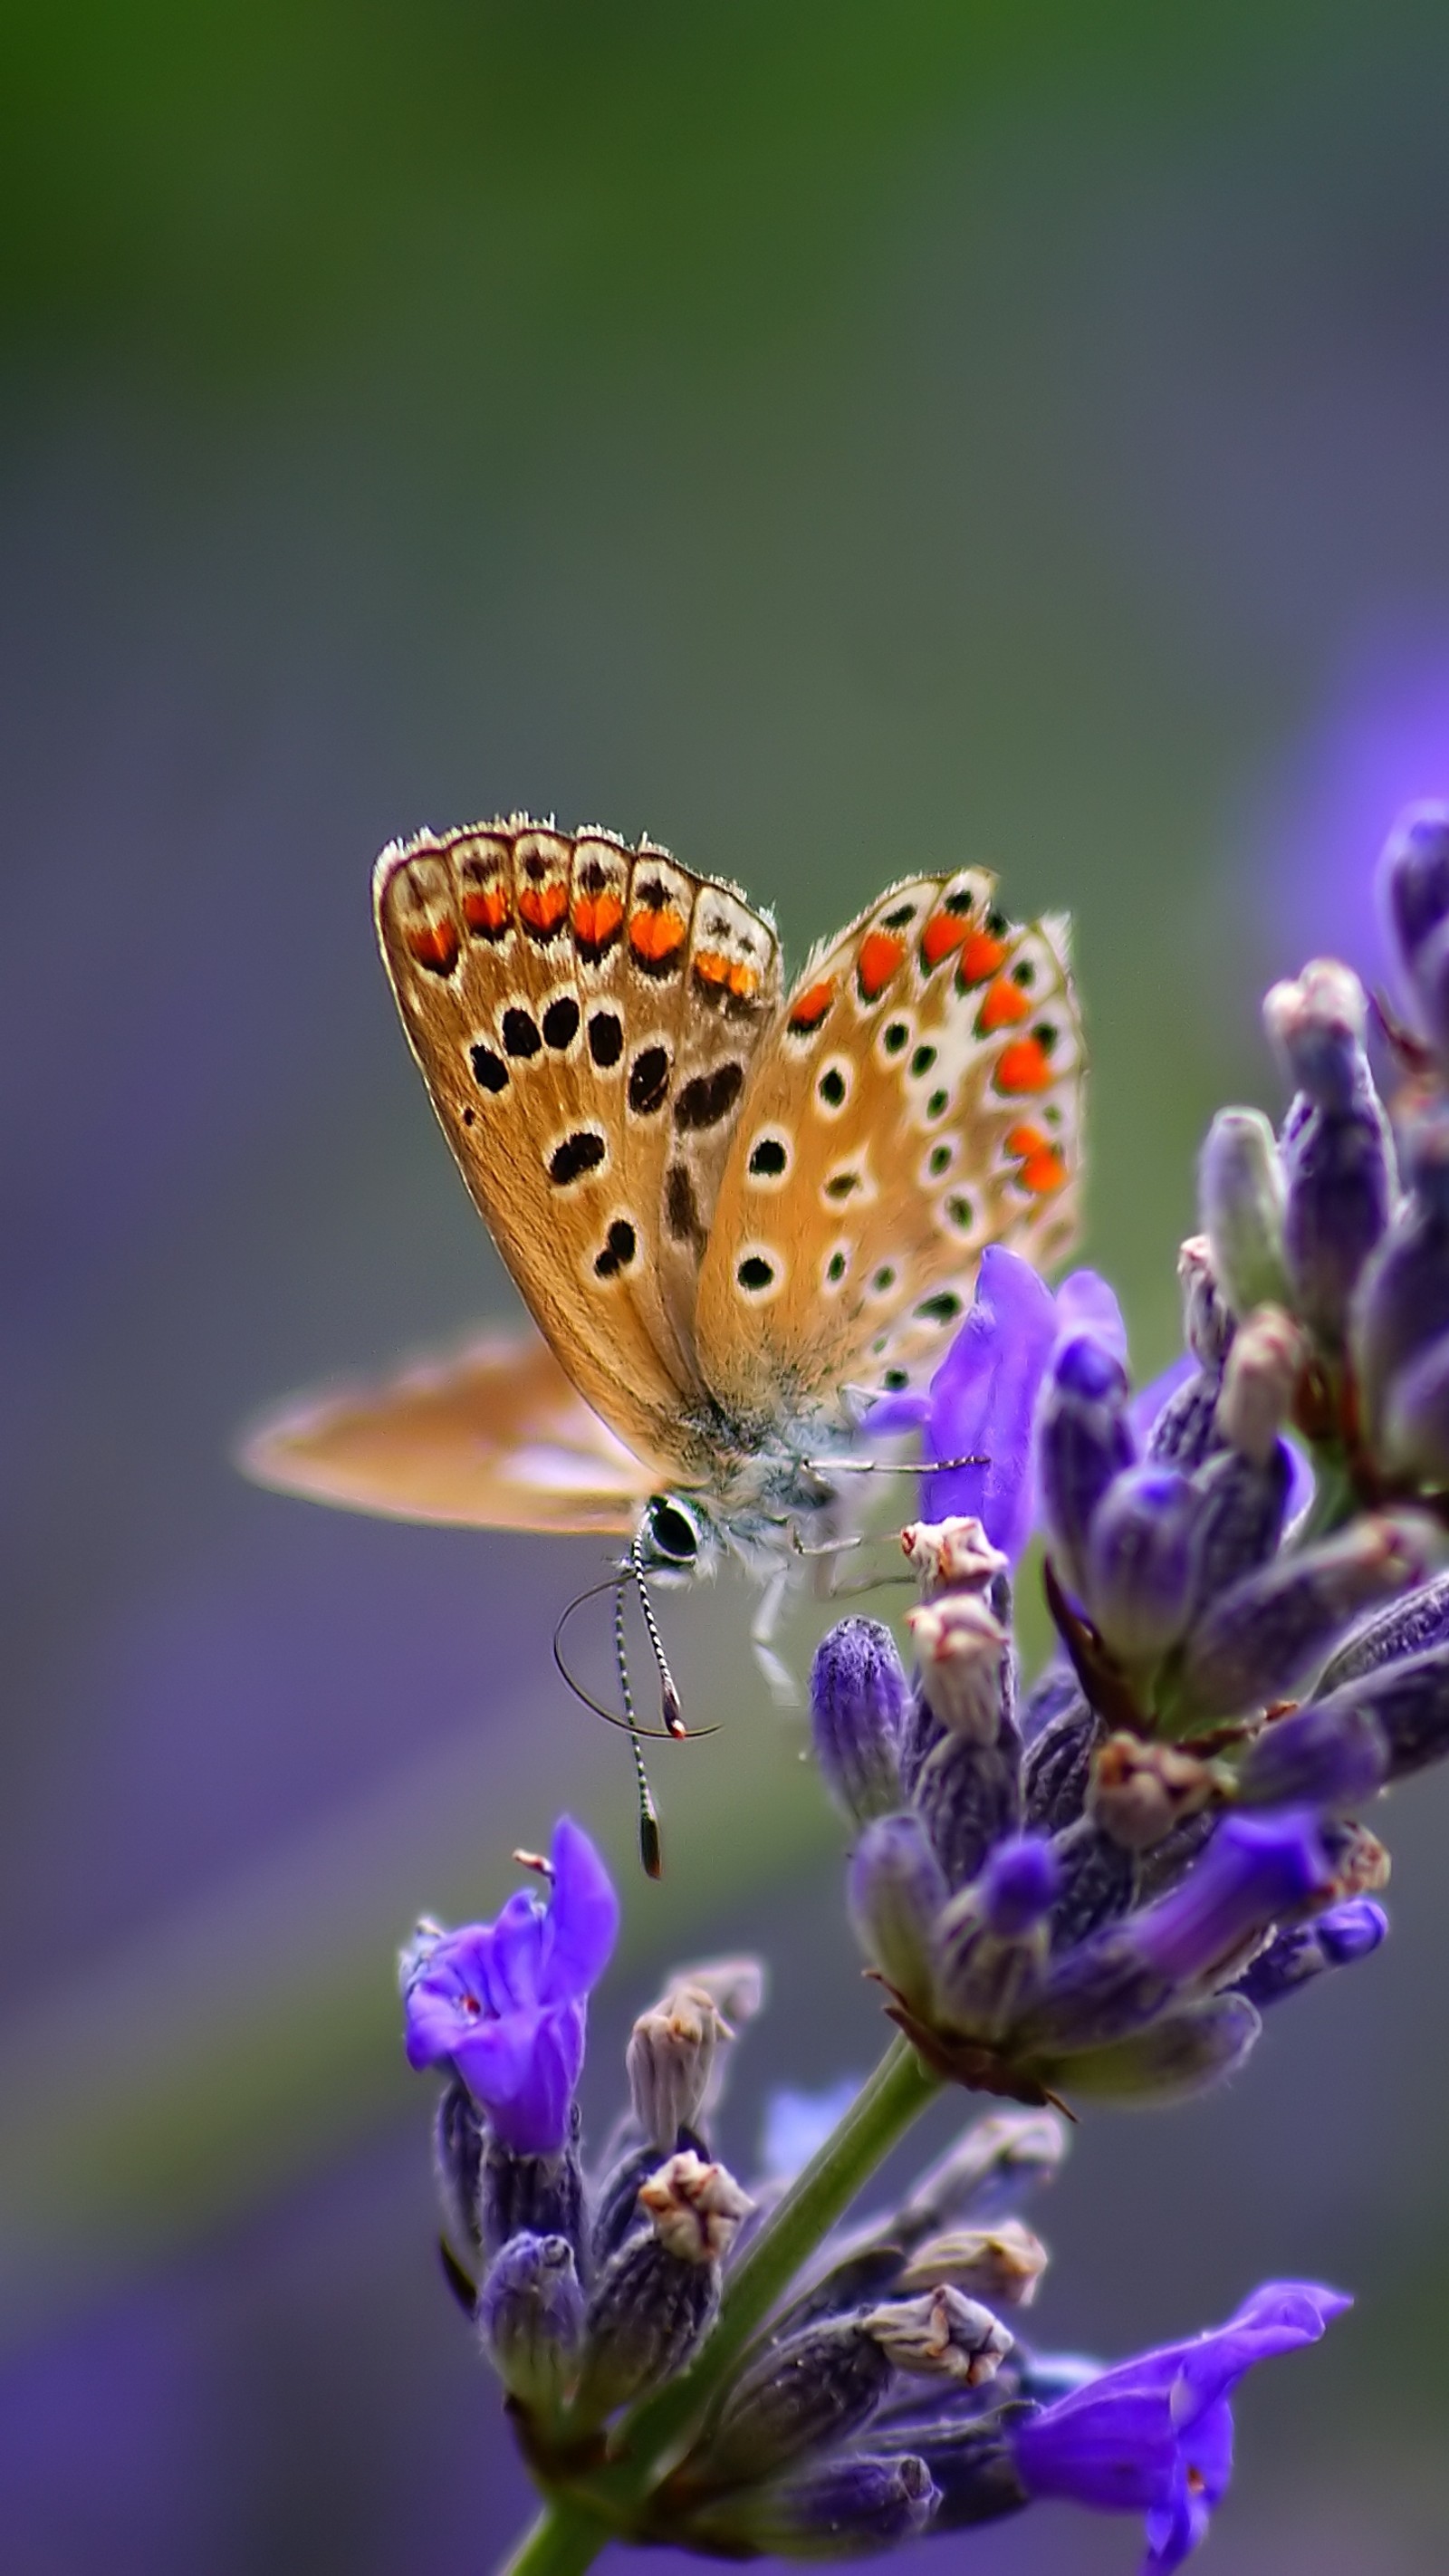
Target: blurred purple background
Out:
[835,443]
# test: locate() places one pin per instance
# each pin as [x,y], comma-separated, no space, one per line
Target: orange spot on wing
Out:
[1043,1172]
[596,919]
[880,955]
[943,932]
[811,1008]
[1023,1066]
[655,936]
[541,908]
[1004,1006]
[981,957]
[726,974]
[434,944]
[487,909]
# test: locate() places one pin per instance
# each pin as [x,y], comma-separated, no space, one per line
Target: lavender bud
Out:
[992,2166]
[531,2319]
[1099,1881]
[1050,1696]
[1407,1701]
[532,2195]
[1208,1321]
[649,2311]
[1242,1509]
[1318,1025]
[969,1796]
[1140,1562]
[1140,1793]
[1413,888]
[1402,1306]
[1331,1754]
[858,1694]
[617,2213]
[1410,1627]
[1083,1441]
[1019,1886]
[1186,1430]
[1058,1766]
[670,2060]
[983,1977]
[954,1555]
[810,2390]
[845,2508]
[977,2478]
[1001,2265]
[1179,2056]
[1295,1957]
[696,2207]
[940,2334]
[458,2162]
[895,1890]
[1241,1195]
[1260,1382]
[1259,1639]
[1414,1440]
[964,1655]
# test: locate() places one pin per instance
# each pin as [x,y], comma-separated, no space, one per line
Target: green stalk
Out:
[565,2539]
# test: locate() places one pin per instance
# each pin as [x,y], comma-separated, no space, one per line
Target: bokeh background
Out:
[836,440]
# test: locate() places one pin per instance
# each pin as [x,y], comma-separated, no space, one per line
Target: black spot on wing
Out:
[648,1080]
[520,1033]
[709,1097]
[579,1153]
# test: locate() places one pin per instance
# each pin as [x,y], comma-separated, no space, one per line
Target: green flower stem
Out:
[565,2539]
[886,2106]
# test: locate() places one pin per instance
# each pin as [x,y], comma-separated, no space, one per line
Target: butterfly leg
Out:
[784,1690]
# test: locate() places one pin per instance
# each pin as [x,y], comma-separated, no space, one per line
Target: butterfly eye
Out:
[671,1533]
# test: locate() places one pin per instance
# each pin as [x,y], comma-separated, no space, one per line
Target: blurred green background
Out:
[837,441]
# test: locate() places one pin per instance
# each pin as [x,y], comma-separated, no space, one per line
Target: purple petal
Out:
[523,2070]
[583,1919]
[1149,1400]
[516,1959]
[1086,1303]
[1276,2318]
[983,1397]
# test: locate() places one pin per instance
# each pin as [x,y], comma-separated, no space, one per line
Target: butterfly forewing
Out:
[491,1436]
[578,1010]
[919,1100]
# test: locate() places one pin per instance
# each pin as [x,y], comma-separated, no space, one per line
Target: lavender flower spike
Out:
[505,2003]
[1155,2435]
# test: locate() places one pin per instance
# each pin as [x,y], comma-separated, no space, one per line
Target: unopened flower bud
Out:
[895,1891]
[858,1695]
[1333,1754]
[1099,1881]
[808,2391]
[1241,1516]
[696,2207]
[1259,1639]
[1260,1381]
[540,2195]
[1183,2054]
[1019,1885]
[1208,1320]
[844,2508]
[992,2166]
[648,2312]
[1334,1940]
[531,2319]
[1058,1764]
[670,2058]
[1401,1312]
[458,2163]
[1413,887]
[1241,1194]
[1140,1562]
[1083,1441]
[941,2334]
[1140,1793]
[986,1972]
[968,1795]
[971,2461]
[1409,1627]
[953,1555]
[1318,1023]
[1404,1703]
[963,1651]
[1414,1438]
[1001,2265]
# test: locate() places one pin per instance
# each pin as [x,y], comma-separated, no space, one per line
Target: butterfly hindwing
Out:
[920,1099]
[570,1001]
[490,1436]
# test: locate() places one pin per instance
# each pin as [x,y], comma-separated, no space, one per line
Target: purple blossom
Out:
[982,1399]
[1254,1869]
[505,2003]
[1155,2435]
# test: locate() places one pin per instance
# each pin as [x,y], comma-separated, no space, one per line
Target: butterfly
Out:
[734,1211]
